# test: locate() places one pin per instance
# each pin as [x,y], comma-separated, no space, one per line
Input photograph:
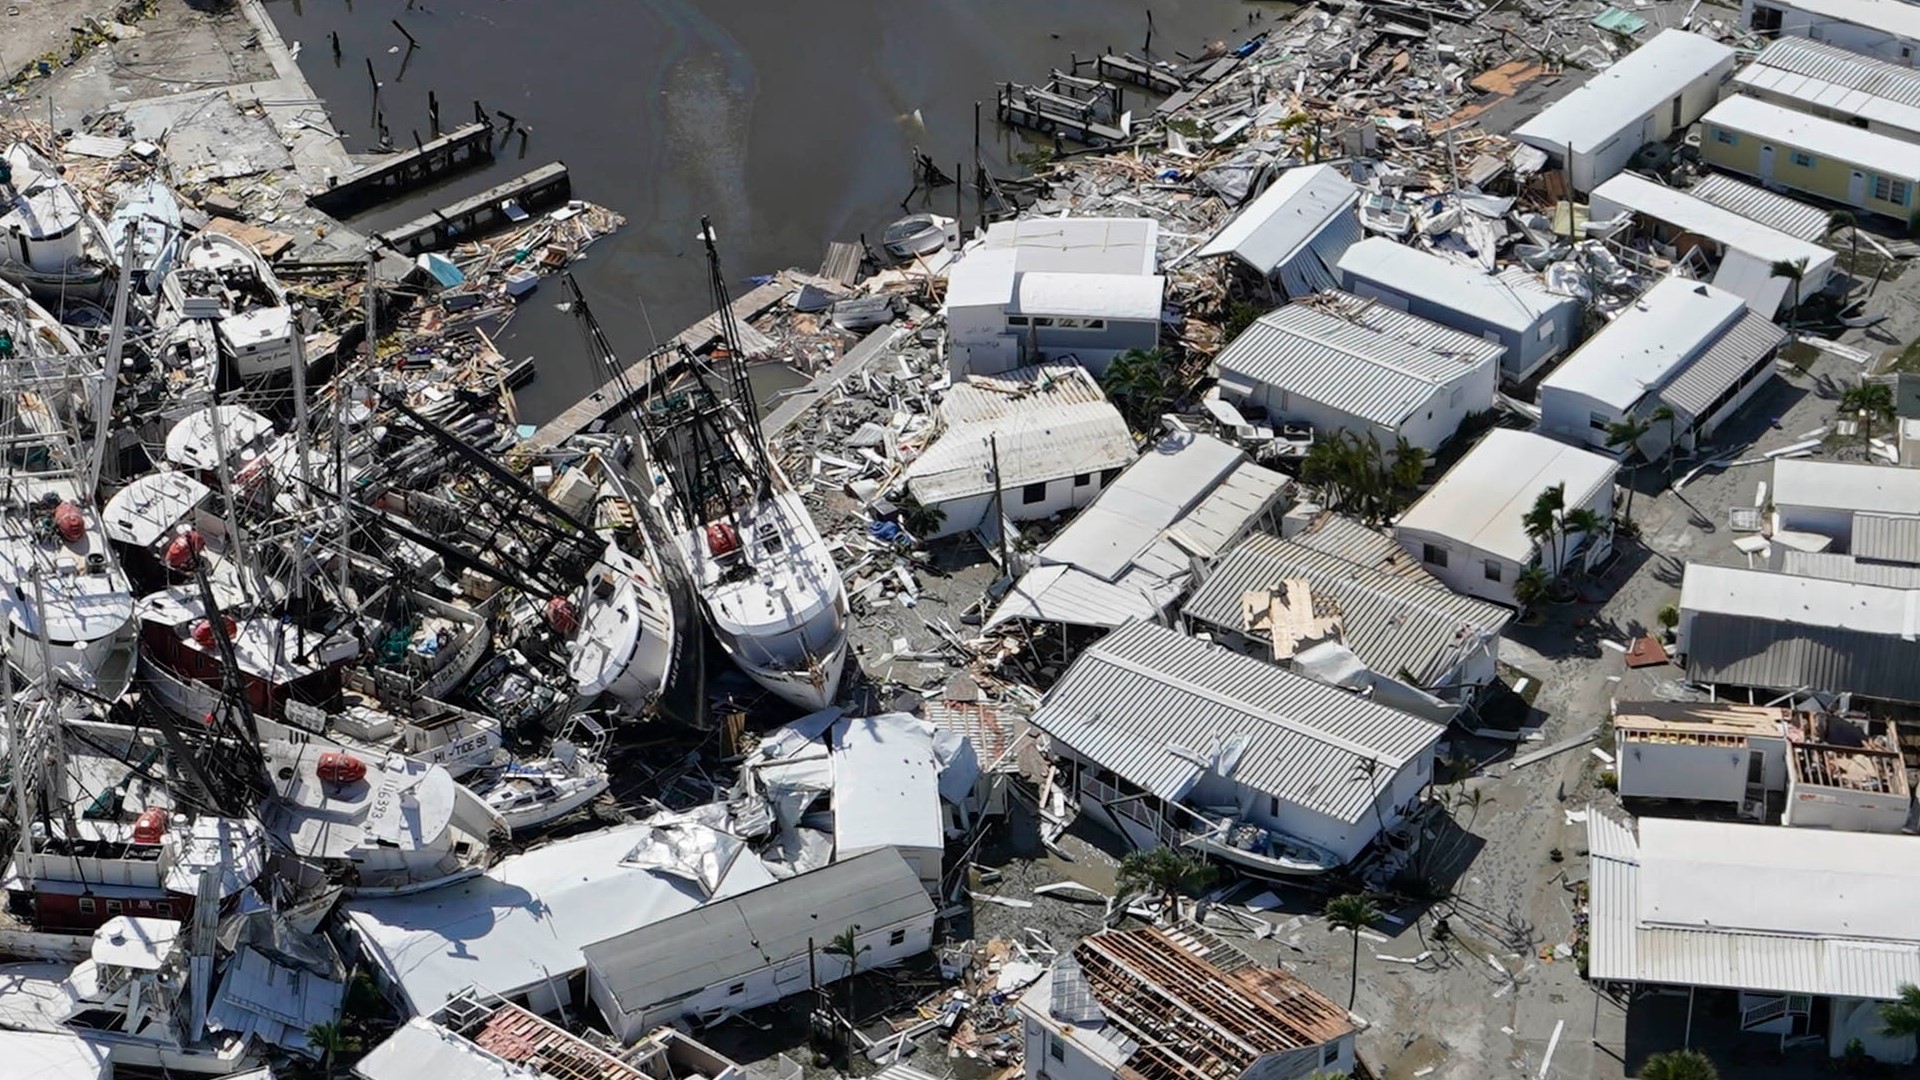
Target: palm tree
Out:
[331,1041]
[1794,270]
[1679,1065]
[847,943]
[1543,523]
[1531,586]
[1139,382]
[1369,768]
[1409,467]
[1584,522]
[1352,913]
[1844,219]
[1170,872]
[1627,433]
[1664,414]
[1869,401]
[1901,1016]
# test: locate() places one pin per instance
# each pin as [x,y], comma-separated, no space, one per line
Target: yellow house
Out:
[1824,158]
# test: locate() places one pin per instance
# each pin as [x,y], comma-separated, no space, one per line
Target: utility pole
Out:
[999,505]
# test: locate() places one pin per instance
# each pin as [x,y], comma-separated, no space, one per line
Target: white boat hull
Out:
[544,811]
[809,690]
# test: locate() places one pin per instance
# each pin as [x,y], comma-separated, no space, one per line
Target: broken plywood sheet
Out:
[265,241]
[210,138]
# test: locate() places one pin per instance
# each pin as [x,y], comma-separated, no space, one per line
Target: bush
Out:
[1609,779]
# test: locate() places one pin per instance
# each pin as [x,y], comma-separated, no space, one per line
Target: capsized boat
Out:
[221,279]
[920,234]
[50,243]
[152,213]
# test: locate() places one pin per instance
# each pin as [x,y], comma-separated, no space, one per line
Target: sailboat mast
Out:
[116,340]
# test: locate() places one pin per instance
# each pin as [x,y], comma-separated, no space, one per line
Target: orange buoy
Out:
[184,550]
[563,616]
[335,767]
[71,523]
[722,540]
[151,825]
[203,631]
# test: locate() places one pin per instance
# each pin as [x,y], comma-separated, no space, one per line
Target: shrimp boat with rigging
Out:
[764,577]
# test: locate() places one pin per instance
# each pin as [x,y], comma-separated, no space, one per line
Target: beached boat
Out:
[147,218]
[920,234]
[379,827]
[1258,851]
[1385,215]
[440,734]
[221,279]
[758,564]
[67,605]
[50,243]
[278,660]
[528,795]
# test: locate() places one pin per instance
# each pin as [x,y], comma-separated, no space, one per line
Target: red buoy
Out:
[722,540]
[71,523]
[338,768]
[183,550]
[563,616]
[151,825]
[203,631]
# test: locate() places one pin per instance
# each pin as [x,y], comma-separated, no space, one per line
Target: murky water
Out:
[789,124]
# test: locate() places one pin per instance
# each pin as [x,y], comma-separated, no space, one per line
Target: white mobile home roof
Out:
[1078,245]
[1168,480]
[1790,216]
[1819,74]
[1800,601]
[1753,907]
[1369,360]
[1678,208]
[1821,138]
[1843,485]
[1285,218]
[489,932]
[1889,16]
[1034,446]
[1637,84]
[1147,702]
[1091,296]
[1639,352]
[1487,298]
[1481,500]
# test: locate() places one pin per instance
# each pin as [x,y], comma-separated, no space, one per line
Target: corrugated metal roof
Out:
[1133,512]
[718,944]
[1069,595]
[1789,215]
[1625,948]
[1392,623]
[1515,302]
[1367,361]
[1734,650]
[1747,342]
[1285,218]
[1823,62]
[1219,519]
[1316,267]
[1148,702]
[1886,538]
[1647,345]
[1039,388]
[1350,541]
[1837,567]
[1033,447]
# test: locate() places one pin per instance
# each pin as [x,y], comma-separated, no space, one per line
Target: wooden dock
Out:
[463,148]
[1198,84]
[698,337]
[1051,113]
[545,187]
[1126,69]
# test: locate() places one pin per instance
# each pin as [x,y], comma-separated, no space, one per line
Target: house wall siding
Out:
[1827,178]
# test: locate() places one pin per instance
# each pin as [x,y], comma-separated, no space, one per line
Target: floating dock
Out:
[466,147]
[545,187]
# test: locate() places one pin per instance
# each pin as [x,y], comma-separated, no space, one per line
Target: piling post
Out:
[433,113]
[411,44]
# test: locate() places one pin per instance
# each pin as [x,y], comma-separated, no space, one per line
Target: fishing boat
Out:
[50,243]
[221,279]
[386,826]
[276,660]
[67,604]
[164,532]
[531,794]
[758,566]
[147,219]
[1256,850]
